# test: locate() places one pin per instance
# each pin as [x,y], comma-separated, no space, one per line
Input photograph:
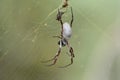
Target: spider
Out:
[66,33]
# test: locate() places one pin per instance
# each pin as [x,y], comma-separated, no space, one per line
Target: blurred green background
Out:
[26,30]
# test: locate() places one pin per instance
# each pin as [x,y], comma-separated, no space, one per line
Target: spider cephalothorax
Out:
[63,42]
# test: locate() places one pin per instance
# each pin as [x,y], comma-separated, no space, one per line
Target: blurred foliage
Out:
[26,30]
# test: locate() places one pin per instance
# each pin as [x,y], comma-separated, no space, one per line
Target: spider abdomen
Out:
[67,32]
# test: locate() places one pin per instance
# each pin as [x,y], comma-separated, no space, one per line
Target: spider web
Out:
[35,31]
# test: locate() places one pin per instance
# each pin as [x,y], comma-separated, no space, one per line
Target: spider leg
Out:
[72,52]
[59,15]
[57,37]
[55,58]
[71,55]
[72,17]
[59,18]
[61,28]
